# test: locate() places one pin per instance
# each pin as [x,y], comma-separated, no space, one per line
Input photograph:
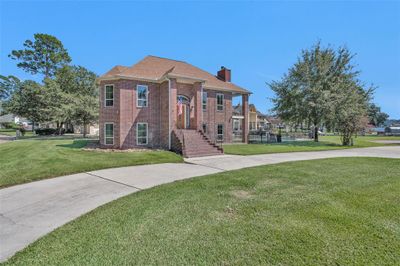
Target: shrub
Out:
[49,131]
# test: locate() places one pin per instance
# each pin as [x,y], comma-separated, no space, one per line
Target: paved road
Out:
[32,210]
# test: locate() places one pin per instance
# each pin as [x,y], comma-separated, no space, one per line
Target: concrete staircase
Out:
[196,144]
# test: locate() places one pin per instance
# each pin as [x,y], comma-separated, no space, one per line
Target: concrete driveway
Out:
[29,211]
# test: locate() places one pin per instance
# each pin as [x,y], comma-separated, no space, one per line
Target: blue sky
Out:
[259,41]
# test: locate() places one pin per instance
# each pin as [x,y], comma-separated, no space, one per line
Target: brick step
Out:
[197,144]
[202,154]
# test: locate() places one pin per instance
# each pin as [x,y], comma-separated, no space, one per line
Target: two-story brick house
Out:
[168,104]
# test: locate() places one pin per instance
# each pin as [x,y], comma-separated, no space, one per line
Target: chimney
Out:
[224,74]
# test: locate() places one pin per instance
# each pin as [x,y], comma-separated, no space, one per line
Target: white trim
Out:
[147,133]
[223,131]
[105,95]
[202,95]
[147,95]
[239,91]
[169,114]
[216,101]
[105,136]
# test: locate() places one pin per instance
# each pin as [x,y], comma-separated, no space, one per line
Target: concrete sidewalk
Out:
[32,210]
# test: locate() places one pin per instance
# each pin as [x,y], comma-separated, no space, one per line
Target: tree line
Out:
[323,89]
[67,93]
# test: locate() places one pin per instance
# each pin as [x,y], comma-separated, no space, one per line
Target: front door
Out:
[183,112]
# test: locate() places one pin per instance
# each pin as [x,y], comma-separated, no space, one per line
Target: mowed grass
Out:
[325,143]
[342,211]
[28,160]
[12,133]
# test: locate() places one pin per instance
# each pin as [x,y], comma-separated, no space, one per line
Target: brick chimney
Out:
[224,74]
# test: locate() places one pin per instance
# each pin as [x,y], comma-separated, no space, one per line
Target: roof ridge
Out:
[166,58]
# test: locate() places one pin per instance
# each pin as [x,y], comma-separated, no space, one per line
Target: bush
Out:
[10,125]
[49,131]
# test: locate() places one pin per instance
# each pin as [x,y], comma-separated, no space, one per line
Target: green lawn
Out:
[342,211]
[325,143]
[11,132]
[28,160]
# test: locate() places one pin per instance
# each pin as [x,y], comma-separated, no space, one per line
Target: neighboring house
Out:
[169,104]
[11,118]
[257,120]
[392,131]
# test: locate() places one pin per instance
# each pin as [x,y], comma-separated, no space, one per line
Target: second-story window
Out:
[204,100]
[141,95]
[109,95]
[220,102]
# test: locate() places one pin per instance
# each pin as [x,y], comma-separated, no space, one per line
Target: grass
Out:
[342,211]
[11,132]
[325,143]
[29,160]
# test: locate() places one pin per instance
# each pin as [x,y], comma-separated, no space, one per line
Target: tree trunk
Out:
[84,130]
[316,134]
[60,129]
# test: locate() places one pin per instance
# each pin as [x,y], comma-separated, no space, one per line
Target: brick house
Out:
[168,104]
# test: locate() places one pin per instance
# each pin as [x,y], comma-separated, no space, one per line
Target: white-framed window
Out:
[142,133]
[108,95]
[220,102]
[142,95]
[236,125]
[204,100]
[108,133]
[220,132]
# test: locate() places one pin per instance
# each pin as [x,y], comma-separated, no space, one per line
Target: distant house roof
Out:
[8,118]
[155,68]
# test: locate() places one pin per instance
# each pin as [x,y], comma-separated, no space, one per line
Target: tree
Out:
[78,84]
[29,101]
[305,93]
[376,117]
[350,109]
[44,55]
[7,86]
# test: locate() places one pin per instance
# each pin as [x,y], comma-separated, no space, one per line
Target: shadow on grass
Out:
[76,144]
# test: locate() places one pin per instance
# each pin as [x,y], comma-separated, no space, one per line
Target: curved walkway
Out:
[29,211]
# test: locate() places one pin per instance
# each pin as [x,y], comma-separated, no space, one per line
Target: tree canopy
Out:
[320,89]
[44,55]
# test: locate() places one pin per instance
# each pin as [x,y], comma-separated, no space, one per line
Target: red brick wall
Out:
[125,114]
[212,117]
[109,114]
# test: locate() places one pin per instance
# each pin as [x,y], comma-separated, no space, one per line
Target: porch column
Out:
[197,105]
[173,101]
[245,112]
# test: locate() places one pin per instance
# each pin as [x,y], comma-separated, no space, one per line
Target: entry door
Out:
[183,119]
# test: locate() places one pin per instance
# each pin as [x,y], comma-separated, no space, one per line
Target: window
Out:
[220,102]
[109,95]
[236,125]
[204,127]
[109,133]
[141,134]
[141,95]
[220,132]
[204,100]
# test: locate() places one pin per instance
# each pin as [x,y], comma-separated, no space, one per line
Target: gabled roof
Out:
[155,68]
